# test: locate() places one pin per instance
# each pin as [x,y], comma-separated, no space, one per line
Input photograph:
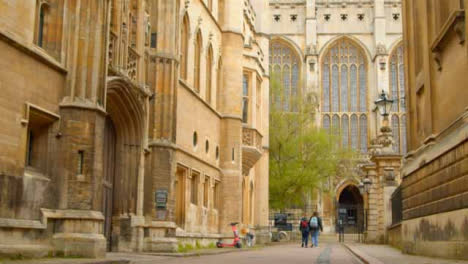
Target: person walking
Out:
[304,228]
[315,224]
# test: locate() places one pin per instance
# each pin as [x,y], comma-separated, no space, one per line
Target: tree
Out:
[303,157]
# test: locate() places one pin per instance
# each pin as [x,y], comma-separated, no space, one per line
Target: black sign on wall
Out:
[160,198]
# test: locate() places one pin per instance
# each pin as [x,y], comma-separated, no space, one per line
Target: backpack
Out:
[314,222]
[304,224]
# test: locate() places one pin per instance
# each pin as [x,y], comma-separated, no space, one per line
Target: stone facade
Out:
[353,50]
[435,214]
[125,126]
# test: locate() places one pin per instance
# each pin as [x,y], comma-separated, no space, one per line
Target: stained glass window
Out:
[363,133]
[354,132]
[285,62]
[345,131]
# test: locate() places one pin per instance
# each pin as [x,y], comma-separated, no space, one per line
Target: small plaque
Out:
[160,197]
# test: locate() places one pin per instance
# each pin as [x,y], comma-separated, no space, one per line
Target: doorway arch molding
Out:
[342,185]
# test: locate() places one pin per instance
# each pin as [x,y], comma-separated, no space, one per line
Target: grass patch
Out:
[185,248]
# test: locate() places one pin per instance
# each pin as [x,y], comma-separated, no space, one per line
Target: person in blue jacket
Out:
[315,225]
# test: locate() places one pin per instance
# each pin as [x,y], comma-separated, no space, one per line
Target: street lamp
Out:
[367,184]
[384,104]
[361,188]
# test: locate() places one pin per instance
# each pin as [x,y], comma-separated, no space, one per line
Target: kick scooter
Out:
[236,242]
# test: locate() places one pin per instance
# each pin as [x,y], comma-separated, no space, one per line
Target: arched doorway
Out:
[122,162]
[350,210]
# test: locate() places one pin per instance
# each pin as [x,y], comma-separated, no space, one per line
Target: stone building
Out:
[435,170]
[130,125]
[345,52]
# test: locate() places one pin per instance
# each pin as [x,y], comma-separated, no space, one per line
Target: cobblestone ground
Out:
[326,253]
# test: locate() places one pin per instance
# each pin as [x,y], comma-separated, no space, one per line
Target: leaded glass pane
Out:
[286,71]
[334,91]
[362,88]
[353,83]
[403,135]
[345,131]
[354,132]
[402,88]
[245,85]
[277,76]
[286,86]
[326,123]
[363,133]
[294,80]
[394,85]
[344,88]
[326,88]
[396,133]
[336,125]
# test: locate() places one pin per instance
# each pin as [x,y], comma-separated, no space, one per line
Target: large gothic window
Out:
[397,93]
[285,64]
[344,93]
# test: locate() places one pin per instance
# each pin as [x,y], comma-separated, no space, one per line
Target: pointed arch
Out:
[209,74]
[357,43]
[198,44]
[184,40]
[219,82]
[286,56]
[344,86]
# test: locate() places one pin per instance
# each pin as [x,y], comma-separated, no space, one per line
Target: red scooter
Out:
[236,242]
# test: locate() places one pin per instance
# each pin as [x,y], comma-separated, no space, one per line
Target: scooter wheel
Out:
[219,244]
[238,245]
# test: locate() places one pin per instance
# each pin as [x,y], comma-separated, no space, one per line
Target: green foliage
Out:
[198,245]
[303,157]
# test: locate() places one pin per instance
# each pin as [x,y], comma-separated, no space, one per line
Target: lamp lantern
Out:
[384,104]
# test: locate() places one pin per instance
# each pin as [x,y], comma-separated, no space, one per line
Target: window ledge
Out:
[456,23]
[34,51]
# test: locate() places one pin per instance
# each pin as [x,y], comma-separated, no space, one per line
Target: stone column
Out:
[82,125]
[230,108]
[163,79]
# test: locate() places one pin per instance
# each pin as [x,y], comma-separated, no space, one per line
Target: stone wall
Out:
[394,236]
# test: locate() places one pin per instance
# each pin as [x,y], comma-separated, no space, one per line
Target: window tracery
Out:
[285,63]
[397,93]
[344,93]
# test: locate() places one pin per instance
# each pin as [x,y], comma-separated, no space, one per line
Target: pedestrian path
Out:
[383,254]
[326,253]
